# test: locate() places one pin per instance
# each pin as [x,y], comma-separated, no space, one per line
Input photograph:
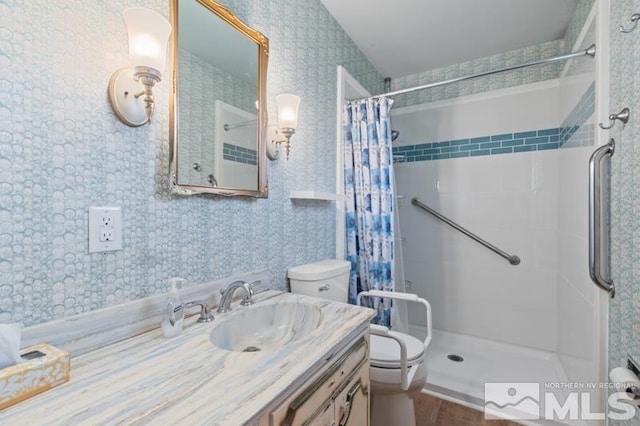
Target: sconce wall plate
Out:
[273,153]
[123,88]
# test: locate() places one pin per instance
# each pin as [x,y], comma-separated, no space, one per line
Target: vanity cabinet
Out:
[337,395]
[351,406]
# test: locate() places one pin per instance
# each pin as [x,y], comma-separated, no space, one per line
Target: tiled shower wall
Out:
[573,132]
[505,143]
[63,150]
[509,199]
[530,202]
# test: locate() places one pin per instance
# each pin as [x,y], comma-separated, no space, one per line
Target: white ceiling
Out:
[404,37]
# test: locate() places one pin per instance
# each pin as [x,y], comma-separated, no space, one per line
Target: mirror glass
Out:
[218,115]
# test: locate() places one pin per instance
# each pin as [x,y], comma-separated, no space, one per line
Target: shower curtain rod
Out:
[590,51]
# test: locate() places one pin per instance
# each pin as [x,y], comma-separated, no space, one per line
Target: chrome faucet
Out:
[205,311]
[227,295]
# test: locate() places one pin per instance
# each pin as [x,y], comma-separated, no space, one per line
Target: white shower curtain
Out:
[399,313]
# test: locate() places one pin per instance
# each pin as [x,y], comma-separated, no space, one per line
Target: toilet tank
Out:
[327,279]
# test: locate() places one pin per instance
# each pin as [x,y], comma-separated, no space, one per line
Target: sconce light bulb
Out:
[145,48]
[288,110]
[148,37]
[287,115]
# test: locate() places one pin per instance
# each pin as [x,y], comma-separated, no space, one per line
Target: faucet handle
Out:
[247,299]
[205,311]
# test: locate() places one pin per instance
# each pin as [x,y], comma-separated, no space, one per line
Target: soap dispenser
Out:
[173,315]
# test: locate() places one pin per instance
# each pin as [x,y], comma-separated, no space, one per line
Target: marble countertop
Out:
[149,379]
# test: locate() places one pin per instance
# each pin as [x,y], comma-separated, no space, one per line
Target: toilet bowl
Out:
[398,367]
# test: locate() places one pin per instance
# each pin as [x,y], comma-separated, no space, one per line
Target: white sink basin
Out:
[265,327]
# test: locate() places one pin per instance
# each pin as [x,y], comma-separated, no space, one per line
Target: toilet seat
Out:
[385,352]
[384,362]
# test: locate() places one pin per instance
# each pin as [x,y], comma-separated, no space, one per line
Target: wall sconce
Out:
[287,123]
[131,89]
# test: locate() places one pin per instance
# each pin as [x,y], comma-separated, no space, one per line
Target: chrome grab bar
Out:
[513,259]
[595,217]
[229,127]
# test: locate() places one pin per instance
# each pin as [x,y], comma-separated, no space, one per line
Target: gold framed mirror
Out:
[218,112]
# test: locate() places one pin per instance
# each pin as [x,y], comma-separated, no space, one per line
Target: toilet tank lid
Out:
[319,270]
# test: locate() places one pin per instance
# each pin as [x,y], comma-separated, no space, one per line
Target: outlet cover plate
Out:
[105,229]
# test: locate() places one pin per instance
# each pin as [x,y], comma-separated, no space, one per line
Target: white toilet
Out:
[394,380]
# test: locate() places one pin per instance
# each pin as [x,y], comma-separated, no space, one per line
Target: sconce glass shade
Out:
[131,89]
[148,37]
[287,111]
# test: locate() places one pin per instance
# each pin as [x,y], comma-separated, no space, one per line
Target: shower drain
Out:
[455,358]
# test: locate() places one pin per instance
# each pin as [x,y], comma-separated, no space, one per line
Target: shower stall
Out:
[510,166]
[492,192]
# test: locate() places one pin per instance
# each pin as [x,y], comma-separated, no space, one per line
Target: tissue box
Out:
[44,368]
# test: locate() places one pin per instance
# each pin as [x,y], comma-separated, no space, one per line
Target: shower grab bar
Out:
[228,127]
[595,217]
[513,259]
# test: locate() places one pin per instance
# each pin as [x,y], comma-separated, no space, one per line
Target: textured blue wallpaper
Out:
[497,81]
[481,84]
[624,309]
[583,7]
[62,150]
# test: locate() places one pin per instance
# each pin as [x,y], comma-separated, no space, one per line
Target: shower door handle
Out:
[595,217]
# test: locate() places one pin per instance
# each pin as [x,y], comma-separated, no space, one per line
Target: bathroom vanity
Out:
[338,394]
[317,376]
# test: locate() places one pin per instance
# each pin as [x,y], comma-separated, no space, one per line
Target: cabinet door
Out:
[325,418]
[352,404]
[305,406]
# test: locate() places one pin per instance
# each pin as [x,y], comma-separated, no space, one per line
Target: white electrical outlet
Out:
[105,229]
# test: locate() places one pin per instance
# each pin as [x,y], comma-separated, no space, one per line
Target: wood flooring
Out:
[432,411]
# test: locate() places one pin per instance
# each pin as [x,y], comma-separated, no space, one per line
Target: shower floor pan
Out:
[483,361]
